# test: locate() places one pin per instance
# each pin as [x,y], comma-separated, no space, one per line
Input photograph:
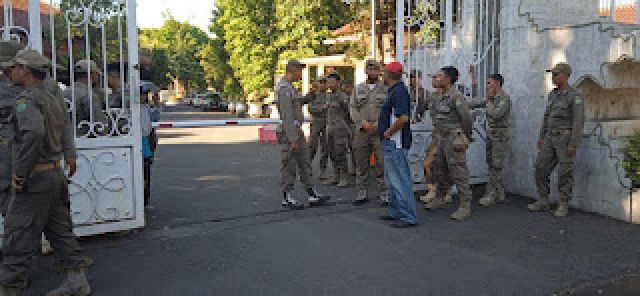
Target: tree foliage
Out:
[68,27]
[249,34]
[178,45]
[215,61]
[260,33]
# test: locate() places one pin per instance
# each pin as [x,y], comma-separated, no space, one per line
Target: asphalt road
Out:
[217,228]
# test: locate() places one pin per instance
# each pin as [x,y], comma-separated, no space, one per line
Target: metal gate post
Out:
[373,29]
[637,11]
[400,31]
[35,28]
[6,31]
[134,94]
[448,27]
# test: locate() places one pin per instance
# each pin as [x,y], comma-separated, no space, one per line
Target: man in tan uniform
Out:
[454,127]
[91,120]
[295,153]
[365,105]
[560,137]
[498,110]
[41,202]
[317,100]
[8,93]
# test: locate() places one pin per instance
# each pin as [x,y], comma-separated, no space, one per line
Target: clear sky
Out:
[196,12]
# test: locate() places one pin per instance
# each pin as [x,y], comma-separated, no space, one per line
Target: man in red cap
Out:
[395,137]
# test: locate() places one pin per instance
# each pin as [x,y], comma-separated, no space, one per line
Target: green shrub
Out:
[632,159]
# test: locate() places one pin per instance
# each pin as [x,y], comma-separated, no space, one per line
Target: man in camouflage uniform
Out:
[318,108]
[560,137]
[347,88]
[498,106]
[419,95]
[454,126]
[89,102]
[365,105]
[295,149]
[8,93]
[41,202]
[337,130]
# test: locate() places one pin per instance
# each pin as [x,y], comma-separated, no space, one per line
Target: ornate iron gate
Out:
[107,190]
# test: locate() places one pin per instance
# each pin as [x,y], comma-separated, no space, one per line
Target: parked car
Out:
[190,100]
[232,106]
[211,102]
[241,109]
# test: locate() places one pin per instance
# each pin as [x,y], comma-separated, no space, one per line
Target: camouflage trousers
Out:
[42,206]
[317,138]
[552,154]
[450,166]
[497,149]
[5,194]
[295,161]
[338,142]
[364,145]
[351,148]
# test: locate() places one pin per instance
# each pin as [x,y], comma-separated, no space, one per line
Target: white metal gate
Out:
[107,190]
[445,19]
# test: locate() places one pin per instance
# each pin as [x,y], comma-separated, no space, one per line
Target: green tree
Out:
[177,47]
[260,33]
[631,161]
[249,34]
[302,26]
[215,61]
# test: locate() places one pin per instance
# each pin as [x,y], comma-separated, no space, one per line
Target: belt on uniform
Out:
[556,132]
[41,167]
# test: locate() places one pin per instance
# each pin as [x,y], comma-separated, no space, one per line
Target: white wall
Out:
[535,34]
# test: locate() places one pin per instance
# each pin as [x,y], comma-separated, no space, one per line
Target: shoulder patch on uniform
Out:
[21,104]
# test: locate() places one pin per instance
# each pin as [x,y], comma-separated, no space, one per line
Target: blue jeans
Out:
[397,176]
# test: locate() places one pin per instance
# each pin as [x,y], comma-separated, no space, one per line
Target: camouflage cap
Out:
[8,50]
[30,58]
[294,64]
[561,68]
[372,63]
[85,66]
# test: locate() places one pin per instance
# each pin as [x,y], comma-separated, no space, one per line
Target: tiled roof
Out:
[624,13]
[21,15]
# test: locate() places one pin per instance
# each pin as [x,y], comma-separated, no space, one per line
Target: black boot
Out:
[315,198]
[290,202]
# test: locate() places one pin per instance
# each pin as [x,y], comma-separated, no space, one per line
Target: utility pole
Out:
[448,27]
[373,29]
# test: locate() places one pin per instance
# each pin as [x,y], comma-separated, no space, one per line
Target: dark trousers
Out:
[42,206]
[147,180]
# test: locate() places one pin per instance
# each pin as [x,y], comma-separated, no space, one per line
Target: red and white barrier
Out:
[217,122]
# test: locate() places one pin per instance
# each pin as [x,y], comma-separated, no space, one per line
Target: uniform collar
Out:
[452,92]
[286,82]
[397,84]
[562,92]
